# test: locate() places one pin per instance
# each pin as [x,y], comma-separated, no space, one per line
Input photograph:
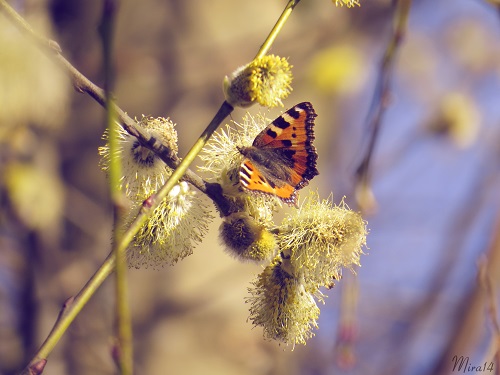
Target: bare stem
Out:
[68,313]
[277,28]
[124,321]
[83,85]
[381,96]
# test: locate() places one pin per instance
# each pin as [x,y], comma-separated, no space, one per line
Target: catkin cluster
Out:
[306,251]
[181,219]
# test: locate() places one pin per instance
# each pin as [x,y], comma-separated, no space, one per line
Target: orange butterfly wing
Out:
[282,158]
[252,179]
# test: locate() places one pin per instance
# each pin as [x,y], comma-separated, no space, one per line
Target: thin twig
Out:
[83,85]
[381,97]
[68,313]
[277,28]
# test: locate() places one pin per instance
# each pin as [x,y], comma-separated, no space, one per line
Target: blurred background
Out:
[417,300]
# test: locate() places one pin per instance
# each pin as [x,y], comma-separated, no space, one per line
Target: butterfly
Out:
[282,158]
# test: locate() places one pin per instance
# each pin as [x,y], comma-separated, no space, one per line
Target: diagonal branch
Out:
[83,85]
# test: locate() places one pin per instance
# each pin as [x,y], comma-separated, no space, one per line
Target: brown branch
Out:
[83,85]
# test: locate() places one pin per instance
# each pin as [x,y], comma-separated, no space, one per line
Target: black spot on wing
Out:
[271,133]
[286,143]
[292,112]
[281,123]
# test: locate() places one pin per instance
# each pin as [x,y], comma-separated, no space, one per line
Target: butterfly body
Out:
[282,158]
